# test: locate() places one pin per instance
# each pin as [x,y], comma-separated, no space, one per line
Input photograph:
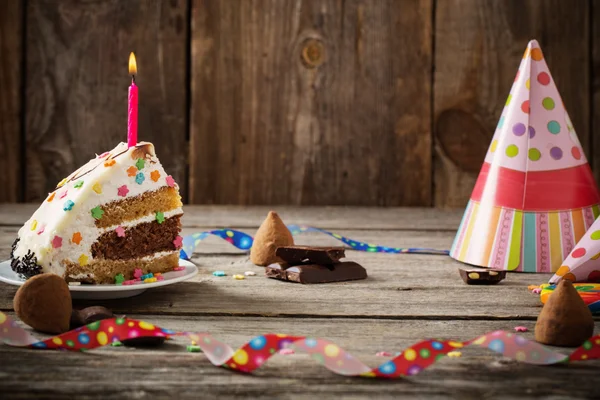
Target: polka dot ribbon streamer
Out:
[257,351]
[244,241]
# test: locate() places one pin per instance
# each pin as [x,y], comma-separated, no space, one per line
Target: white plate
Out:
[106,292]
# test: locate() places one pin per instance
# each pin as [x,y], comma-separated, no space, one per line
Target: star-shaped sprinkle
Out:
[61,183]
[154,175]
[57,242]
[63,194]
[122,191]
[131,171]
[78,184]
[178,242]
[33,225]
[105,154]
[51,197]
[76,238]
[97,188]
[119,279]
[139,178]
[83,260]
[160,217]
[68,206]
[97,212]
[170,181]
[109,163]
[137,273]
[120,231]
[140,163]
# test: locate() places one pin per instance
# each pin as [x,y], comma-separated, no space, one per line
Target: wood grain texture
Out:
[11,56]
[477,52]
[311,102]
[77,83]
[477,374]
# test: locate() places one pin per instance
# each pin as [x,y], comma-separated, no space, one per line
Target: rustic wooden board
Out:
[478,373]
[366,218]
[477,52]
[11,51]
[311,102]
[77,83]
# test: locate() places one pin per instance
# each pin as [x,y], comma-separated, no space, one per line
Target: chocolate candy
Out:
[89,315]
[313,273]
[481,276]
[296,255]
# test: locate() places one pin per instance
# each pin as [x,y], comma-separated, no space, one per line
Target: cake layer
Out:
[104,271]
[116,212]
[141,240]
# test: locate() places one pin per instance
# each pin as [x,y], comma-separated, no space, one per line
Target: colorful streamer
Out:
[258,350]
[589,292]
[244,241]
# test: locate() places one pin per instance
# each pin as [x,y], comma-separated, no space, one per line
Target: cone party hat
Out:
[535,195]
[583,264]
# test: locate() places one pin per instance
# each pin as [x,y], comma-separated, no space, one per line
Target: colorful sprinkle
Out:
[250,273]
[83,260]
[193,349]
[238,277]
[286,352]
[97,188]
[219,273]
[383,354]
[179,269]
[41,229]
[137,273]
[139,178]
[97,212]
[63,194]
[178,242]
[51,197]
[122,191]
[68,206]
[170,181]
[33,225]
[140,163]
[131,171]
[119,279]
[76,238]
[160,217]
[521,329]
[103,155]
[78,184]
[109,163]
[155,175]
[150,280]
[57,242]
[454,354]
[120,231]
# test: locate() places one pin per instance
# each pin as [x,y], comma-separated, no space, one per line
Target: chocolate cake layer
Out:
[141,240]
[116,212]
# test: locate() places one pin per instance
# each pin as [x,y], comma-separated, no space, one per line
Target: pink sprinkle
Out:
[138,279]
[120,232]
[62,194]
[286,352]
[383,354]
[536,291]
[57,242]
[41,230]
[521,329]
[170,181]
[122,191]
[137,273]
[104,154]
[130,282]
[178,268]
[160,278]
[178,242]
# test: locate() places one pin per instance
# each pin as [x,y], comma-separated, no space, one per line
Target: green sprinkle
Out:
[160,217]
[139,164]
[78,184]
[119,279]
[97,212]
[193,349]
[116,344]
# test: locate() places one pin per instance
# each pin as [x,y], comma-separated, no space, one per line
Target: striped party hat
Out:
[535,196]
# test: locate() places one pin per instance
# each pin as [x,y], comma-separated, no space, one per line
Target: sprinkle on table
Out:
[219,273]
[238,277]
[454,354]
[97,212]
[521,329]
[193,349]
[250,273]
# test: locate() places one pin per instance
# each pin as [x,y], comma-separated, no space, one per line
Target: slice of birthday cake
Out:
[118,213]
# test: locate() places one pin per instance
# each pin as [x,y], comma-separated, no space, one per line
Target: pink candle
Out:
[132,109]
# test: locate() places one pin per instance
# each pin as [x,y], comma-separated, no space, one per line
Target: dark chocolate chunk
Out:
[296,255]
[89,315]
[312,273]
[481,276]
[25,266]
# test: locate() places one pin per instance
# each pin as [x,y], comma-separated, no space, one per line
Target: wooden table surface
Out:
[405,299]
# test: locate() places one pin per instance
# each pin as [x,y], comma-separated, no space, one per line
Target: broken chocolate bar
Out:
[296,255]
[312,273]
[481,276]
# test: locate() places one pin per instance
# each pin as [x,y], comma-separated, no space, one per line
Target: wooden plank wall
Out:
[314,102]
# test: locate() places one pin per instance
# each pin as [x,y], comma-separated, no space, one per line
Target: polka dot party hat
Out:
[583,264]
[535,195]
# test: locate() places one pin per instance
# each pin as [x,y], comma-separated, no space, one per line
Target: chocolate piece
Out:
[312,273]
[296,255]
[481,276]
[89,315]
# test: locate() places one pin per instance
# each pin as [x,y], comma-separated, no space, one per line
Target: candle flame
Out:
[132,64]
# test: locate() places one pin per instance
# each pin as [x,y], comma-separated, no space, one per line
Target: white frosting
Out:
[97,173]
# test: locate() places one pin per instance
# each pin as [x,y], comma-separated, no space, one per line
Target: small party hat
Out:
[583,264]
[535,195]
